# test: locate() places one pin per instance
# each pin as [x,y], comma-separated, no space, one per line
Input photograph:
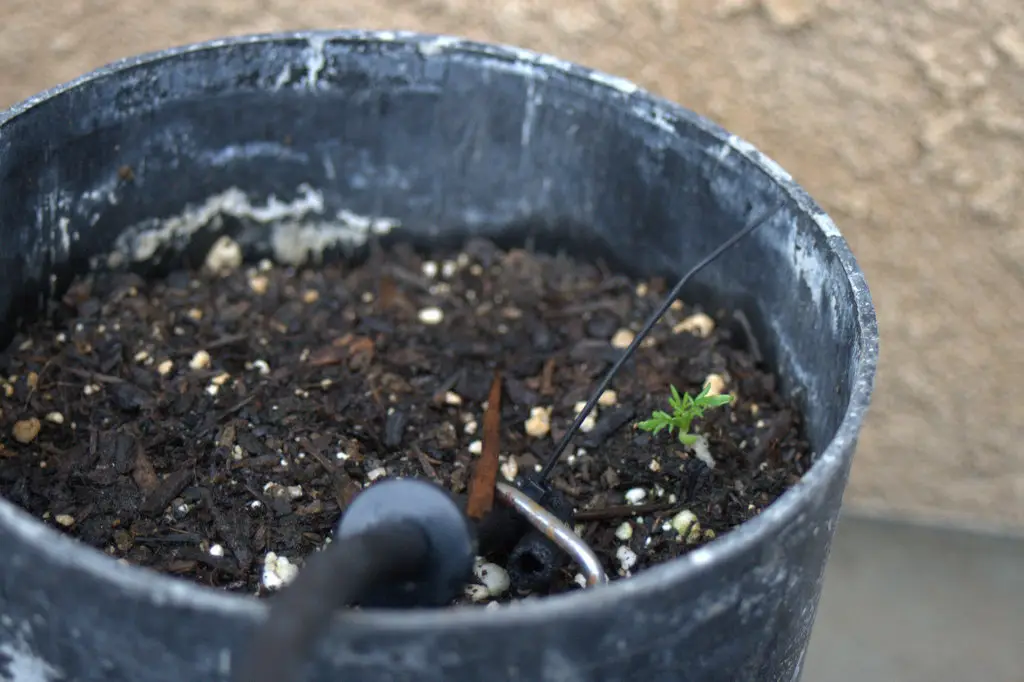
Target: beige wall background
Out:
[905,120]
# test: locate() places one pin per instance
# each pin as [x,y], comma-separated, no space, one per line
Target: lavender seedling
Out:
[685,409]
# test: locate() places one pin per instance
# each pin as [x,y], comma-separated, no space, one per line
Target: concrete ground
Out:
[909,603]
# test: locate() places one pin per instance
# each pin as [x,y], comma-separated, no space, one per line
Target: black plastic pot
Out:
[302,144]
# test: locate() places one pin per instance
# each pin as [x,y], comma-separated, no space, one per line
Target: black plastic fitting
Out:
[452,545]
[536,559]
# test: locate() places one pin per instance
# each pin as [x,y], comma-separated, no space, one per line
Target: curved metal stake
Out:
[563,536]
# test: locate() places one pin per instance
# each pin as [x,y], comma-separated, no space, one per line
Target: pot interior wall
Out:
[335,140]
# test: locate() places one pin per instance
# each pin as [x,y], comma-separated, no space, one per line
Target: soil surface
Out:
[214,426]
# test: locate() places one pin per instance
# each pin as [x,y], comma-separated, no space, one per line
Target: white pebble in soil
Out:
[26,430]
[683,521]
[715,384]
[201,360]
[608,398]
[216,550]
[539,423]
[627,558]
[431,316]
[259,284]
[635,495]
[279,491]
[590,421]
[622,338]
[477,593]
[510,468]
[625,531]
[493,577]
[278,571]
[224,256]
[260,366]
[476,447]
[374,474]
[698,324]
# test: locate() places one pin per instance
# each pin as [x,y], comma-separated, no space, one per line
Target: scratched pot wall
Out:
[906,120]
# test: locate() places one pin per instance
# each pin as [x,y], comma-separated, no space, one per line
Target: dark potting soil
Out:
[214,427]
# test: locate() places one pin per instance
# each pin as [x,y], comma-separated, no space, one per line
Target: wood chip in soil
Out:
[199,423]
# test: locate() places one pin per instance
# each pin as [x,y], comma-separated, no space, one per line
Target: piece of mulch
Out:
[215,426]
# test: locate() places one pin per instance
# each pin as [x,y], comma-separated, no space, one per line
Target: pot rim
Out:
[164,590]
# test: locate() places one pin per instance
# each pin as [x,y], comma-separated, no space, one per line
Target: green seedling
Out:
[685,409]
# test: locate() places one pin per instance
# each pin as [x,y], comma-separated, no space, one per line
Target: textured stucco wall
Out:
[906,120]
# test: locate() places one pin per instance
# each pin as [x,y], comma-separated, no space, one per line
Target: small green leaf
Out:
[717,400]
[651,424]
[685,408]
[676,402]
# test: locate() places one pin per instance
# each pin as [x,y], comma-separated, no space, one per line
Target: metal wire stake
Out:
[559,533]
